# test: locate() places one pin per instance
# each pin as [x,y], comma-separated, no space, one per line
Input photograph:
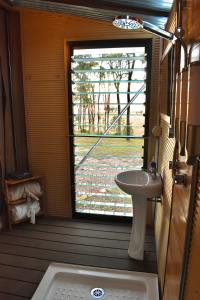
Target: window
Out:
[107,135]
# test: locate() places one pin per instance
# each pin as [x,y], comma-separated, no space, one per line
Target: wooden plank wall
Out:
[9,139]
[166,148]
[191,23]
[192,288]
[13,147]
[170,26]
[181,196]
[11,66]
[155,100]
[18,112]
[180,205]
[163,211]
[44,43]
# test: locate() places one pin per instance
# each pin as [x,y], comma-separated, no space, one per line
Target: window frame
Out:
[147,43]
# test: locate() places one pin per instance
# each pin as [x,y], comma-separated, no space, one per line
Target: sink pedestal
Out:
[136,245]
[140,185]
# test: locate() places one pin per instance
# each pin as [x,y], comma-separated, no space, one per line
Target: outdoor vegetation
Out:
[103,83]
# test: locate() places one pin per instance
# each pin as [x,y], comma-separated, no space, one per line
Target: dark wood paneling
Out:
[11,65]
[5,4]
[4,296]
[18,114]
[24,262]
[81,259]
[10,158]
[27,251]
[69,231]
[2,141]
[22,274]
[16,287]
[79,240]
[72,248]
[83,224]
[12,118]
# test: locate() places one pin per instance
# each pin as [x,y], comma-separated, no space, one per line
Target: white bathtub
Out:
[74,282]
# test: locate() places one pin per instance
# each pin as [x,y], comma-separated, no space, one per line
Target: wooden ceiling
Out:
[154,11]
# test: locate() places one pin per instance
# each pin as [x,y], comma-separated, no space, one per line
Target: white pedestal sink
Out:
[140,185]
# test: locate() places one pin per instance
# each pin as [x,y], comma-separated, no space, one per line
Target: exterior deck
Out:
[27,251]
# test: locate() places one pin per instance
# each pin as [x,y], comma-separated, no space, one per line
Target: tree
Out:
[130,66]
[101,77]
[116,66]
[85,101]
[107,106]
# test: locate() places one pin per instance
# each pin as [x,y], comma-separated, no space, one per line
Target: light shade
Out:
[127,22]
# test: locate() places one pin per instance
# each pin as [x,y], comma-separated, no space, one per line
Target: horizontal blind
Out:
[102,85]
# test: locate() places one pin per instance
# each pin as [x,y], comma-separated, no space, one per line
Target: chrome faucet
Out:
[153,168]
[174,165]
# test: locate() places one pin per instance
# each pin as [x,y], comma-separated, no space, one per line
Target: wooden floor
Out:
[27,250]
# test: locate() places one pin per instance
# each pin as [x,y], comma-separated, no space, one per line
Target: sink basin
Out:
[139,183]
[141,186]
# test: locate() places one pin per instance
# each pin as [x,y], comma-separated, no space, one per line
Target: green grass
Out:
[109,153]
[109,146]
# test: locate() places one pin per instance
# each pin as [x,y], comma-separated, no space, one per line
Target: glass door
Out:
[104,79]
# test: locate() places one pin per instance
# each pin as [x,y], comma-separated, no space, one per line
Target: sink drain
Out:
[97,293]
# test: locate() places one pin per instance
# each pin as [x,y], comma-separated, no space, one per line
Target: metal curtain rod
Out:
[108,129]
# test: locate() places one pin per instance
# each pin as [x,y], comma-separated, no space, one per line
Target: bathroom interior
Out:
[99,148]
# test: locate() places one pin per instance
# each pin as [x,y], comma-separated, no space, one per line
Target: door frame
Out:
[147,43]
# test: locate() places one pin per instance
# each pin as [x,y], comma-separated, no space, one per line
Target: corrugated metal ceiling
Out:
[154,11]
